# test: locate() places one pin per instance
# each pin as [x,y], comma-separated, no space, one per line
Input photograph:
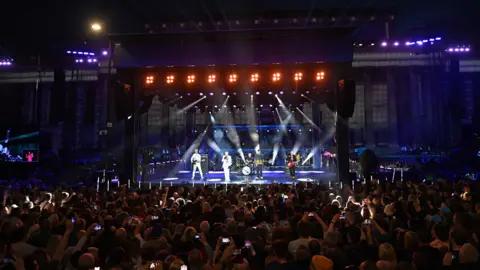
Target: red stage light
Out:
[320,76]
[276,77]
[232,78]
[190,78]
[254,77]
[149,79]
[170,79]
[298,76]
[211,78]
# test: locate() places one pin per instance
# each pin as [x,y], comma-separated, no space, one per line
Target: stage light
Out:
[224,93]
[396,44]
[149,79]
[211,78]
[232,78]
[170,79]
[298,76]
[201,94]
[270,93]
[384,44]
[211,94]
[257,93]
[320,76]
[276,77]
[190,78]
[254,77]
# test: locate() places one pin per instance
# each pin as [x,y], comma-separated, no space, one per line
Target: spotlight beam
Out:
[189,151]
[186,108]
[308,119]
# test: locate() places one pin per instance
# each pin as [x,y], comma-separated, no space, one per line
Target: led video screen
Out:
[19,145]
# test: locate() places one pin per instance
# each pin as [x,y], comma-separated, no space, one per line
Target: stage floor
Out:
[217,177]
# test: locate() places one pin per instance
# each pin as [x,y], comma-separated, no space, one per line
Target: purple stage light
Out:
[462,49]
[94,60]
[396,44]
[432,39]
[74,52]
[81,60]
[420,43]
[211,94]
[89,60]
[425,40]
[80,52]
[384,44]
[69,52]
[408,43]
[438,38]
[456,49]
[467,49]
[91,53]
[104,52]
[450,50]
[281,92]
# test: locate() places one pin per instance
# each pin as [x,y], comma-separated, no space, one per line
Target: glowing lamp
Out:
[211,78]
[190,78]
[298,76]
[320,76]
[254,77]
[149,79]
[276,77]
[170,79]
[232,78]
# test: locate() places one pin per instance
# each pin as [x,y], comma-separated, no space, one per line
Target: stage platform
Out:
[217,178]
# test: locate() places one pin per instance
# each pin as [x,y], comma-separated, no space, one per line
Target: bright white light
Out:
[395,44]
[384,44]
[96,27]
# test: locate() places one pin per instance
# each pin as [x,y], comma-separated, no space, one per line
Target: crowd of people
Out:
[373,225]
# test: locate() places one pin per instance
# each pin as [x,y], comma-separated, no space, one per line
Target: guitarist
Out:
[291,165]
[195,160]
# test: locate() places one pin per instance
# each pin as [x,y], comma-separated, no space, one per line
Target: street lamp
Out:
[96,27]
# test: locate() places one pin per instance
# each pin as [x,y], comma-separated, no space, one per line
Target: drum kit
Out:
[245,168]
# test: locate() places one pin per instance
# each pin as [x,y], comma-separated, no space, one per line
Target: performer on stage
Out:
[226,164]
[291,165]
[195,160]
[259,159]
[29,156]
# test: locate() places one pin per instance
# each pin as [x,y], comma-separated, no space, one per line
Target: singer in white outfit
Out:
[226,164]
[196,162]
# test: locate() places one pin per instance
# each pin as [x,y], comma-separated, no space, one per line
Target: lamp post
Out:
[98,29]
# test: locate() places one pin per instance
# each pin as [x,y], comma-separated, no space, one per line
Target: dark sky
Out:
[34,24]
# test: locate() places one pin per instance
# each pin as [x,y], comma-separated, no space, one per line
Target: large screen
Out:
[19,145]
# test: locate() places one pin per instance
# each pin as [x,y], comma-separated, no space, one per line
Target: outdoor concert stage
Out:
[217,177]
